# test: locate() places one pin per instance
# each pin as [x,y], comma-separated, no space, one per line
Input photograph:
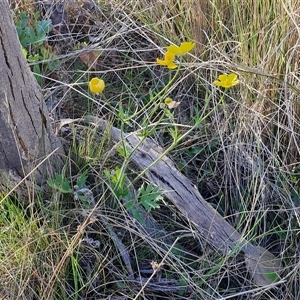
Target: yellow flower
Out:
[182,49]
[168,60]
[172,51]
[171,103]
[227,81]
[96,85]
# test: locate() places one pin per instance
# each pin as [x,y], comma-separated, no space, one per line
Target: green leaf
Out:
[60,183]
[24,52]
[122,114]
[30,34]
[37,73]
[82,179]
[117,181]
[23,22]
[273,276]
[130,205]
[138,216]
[33,58]
[183,284]
[118,177]
[123,151]
[149,195]
[43,27]
[53,64]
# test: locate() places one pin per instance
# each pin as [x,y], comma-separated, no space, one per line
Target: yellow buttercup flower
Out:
[182,49]
[96,85]
[168,60]
[172,51]
[169,56]
[227,81]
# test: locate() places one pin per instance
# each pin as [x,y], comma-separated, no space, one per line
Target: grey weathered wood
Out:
[26,134]
[148,157]
[151,160]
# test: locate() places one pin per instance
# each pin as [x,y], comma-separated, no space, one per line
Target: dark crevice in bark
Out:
[20,66]
[29,114]
[11,88]
[44,120]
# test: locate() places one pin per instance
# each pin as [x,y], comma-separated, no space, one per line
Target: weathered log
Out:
[150,158]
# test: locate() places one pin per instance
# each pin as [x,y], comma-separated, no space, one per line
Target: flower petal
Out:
[169,56]
[174,49]
[182,49]
[232,77]
[171,65]
[186,47]
[227,81]
[168,60]
[171,103]
[223,77]
[96,85]
[162,62]
[234,83]
[218,83]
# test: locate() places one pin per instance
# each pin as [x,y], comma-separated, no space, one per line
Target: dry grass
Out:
[243,156]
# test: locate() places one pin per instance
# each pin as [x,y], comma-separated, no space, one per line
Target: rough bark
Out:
[26,134]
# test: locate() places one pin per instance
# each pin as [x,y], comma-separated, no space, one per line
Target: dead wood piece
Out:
[150,158]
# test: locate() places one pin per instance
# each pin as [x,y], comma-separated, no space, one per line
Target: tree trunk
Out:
[26,134]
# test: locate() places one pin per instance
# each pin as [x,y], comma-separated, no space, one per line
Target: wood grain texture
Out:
[149,157]
[26,133]
[153,162]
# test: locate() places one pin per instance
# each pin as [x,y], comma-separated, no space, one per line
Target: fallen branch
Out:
[160,170]
[147,156]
